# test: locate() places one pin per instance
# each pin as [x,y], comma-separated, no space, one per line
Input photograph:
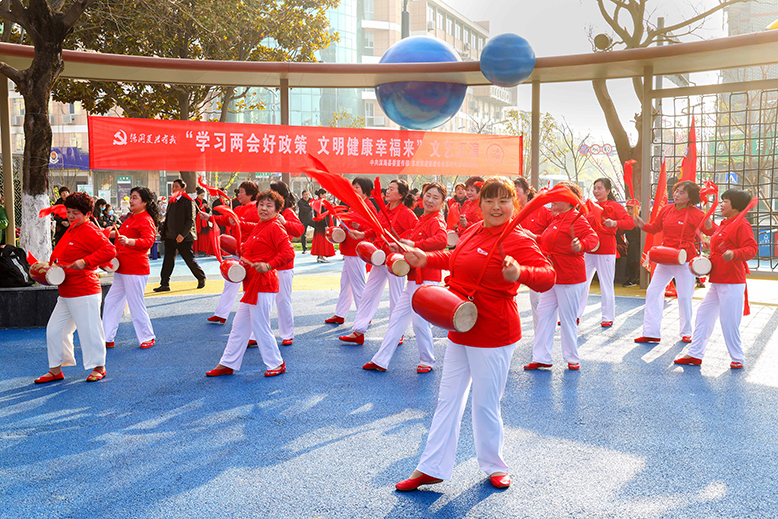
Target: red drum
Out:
[47,274]
[111,266]
[700,266]
[667,255]
[335,235]
[452,238]
[232,270]
[228,244]
[397,264]
[444,308]
[369,253]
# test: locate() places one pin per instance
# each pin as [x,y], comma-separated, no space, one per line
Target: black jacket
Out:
[179,219]
[305,211]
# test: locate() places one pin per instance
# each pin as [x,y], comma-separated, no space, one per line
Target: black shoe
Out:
[629,283]
[162,288]
[200,284]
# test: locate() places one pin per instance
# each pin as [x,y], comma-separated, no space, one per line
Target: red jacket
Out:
[294,228]
[471,210]
[88,243]
[349,247]
[134,260]
[270,244]
[739,238]
[677,226]
[498,321]
[556,243]
[429,234]
[611,210]
[537,222]
[248,216]
[400,221]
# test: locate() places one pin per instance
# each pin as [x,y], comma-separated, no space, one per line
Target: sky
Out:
[560,27]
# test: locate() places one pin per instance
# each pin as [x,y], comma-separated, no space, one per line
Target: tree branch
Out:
[614,24]
[620,137]
[75,11]
[10,72]
[651,35]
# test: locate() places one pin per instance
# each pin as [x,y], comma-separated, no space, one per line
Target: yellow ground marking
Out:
[216,286]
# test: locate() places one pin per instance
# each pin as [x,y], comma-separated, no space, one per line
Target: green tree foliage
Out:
[247,30]
[343,119]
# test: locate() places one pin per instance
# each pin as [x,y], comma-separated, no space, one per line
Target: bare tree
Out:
[567,152]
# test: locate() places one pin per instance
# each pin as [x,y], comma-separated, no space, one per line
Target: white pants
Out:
[127,289]
[401,317]
[534,301]
[605,265]
[254,318]
[227,299]
[562,300]
[71,314]
[374,290]
[655,298]
[723,301]
[352,285]
[284,304]
[487,370]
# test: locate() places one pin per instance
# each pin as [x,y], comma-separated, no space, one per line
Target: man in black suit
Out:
[178,233]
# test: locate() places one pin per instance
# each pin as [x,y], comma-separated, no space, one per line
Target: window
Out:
[18,106]
[440,20]
[19,142]
[480,44]
[466,36]
[74,108]
[369,40]
[369,7]
[75,140]
[458,33]
[430,14]
[369,110]
[449,25]
[472,41]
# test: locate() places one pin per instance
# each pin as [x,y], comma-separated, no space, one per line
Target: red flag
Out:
[521,155]
[689,162]
[59,209]
[596,210]
[660,200]
[628,176]
[31,259]
[212,190]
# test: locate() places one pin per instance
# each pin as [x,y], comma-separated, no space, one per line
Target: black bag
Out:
[14,269]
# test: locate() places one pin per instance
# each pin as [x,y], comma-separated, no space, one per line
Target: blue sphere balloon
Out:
[420,105]
[507,60]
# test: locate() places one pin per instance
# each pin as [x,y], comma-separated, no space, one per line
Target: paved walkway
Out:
[630,435]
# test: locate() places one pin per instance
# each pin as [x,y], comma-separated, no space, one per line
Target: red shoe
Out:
[401,341]
[691,361]
[335,320]
[686,338]
[373,366]
[217,372]
[423,369]
[252,344]
[277,371]
[577,321]
[109,344]
[49,377]
[217,320]
[536,365]
[94,377]
[356,339]
[573,366]
[650,340]
[503,481]
[286,342]
[606,324]
[414,483]
[146,345]
[736,365]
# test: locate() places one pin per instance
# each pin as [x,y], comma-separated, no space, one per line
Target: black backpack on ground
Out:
[14,269]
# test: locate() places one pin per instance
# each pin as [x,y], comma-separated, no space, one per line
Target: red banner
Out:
[118,143]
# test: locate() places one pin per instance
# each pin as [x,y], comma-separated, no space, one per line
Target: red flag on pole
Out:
[660,200]
[689,162]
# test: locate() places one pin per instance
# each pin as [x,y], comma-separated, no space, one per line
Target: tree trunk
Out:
[35,86]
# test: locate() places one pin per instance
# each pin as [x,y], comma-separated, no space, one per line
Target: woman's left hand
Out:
[576,245]
[281,219]
[610,223]
[123,240]
[728,255]
[78,265]
[510,269]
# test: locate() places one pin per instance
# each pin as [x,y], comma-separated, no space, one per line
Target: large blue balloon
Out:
[420,105]
[507,60]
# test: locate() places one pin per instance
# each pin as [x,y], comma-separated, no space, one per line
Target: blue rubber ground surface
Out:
[629,435]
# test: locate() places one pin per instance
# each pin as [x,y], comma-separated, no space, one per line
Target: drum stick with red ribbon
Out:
[628,182]
[226,210]
[342,188]
[213,191]
[559,193]
[58,209]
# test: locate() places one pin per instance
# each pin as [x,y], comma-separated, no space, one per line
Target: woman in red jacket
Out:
[731,245]
[564,242]
[267,248]
[533,225]
[399,220]
[80,250]
[678,223]
[429,234]
[294,228]
[603,260]
[471,209]
[134,240]
[480,357]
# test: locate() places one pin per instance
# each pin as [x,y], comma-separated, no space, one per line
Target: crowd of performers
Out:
[554,252]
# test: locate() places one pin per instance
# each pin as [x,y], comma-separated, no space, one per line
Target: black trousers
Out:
[303,238]
[185,250]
